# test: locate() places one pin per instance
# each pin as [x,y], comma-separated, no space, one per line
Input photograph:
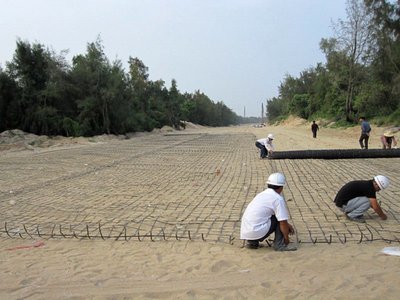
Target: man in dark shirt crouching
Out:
[356,197]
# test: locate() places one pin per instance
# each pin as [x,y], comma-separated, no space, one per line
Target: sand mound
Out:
[293,121]
[17,140]
[166,129]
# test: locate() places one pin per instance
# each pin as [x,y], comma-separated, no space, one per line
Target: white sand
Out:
[97,269]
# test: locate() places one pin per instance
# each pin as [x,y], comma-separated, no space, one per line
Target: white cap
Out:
[382,181]
[277,179]
[270,136]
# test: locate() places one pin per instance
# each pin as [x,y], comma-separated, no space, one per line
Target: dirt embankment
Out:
[289,135]
[18,140]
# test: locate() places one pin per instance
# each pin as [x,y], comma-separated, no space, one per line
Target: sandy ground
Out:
[93,268]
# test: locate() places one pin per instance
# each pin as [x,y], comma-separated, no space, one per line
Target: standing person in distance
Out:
[365,131]
[265,145]
[314,129]
[267,213]
[357,196]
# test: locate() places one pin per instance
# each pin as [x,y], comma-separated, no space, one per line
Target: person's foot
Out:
[252,244]
[358,219]
[288,247]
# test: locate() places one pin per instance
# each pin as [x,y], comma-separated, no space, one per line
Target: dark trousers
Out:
[314,134]
[364,140]
[263,151]
[274,228]
[388,141]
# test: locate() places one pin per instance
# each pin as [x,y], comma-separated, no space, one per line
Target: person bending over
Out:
[388,138]
[357,196]
[265,145]
[265,214]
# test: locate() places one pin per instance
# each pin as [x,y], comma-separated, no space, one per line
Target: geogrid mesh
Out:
[180,186]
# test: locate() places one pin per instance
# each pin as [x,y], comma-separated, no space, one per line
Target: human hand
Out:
[384,217]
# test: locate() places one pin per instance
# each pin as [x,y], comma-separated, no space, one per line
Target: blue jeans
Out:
[356,207]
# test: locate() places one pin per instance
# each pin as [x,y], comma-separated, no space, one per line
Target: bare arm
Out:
[377,208]
[286,229]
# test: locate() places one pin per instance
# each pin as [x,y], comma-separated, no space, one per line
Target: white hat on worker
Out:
[277,179]
[382,181]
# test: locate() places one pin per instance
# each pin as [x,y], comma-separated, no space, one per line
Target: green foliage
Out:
[198,108]
[361,75]
[42,94]
[342,124]
[173,105]
[70,127]
[393,119]
[300,106]
[9,110]
[275,109]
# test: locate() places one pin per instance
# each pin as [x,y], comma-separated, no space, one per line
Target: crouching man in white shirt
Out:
[267,213]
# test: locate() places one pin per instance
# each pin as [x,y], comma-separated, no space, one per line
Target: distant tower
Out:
[262,113]
[244,112]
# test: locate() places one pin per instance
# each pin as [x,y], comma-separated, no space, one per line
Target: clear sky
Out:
[234,51]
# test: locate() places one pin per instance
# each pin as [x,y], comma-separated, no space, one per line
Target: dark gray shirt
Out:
[353,189]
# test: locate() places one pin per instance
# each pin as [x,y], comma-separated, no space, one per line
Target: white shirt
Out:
[267,144]
[256,220]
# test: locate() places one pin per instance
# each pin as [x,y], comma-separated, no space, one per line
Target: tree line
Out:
[361,76]
[42,94]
